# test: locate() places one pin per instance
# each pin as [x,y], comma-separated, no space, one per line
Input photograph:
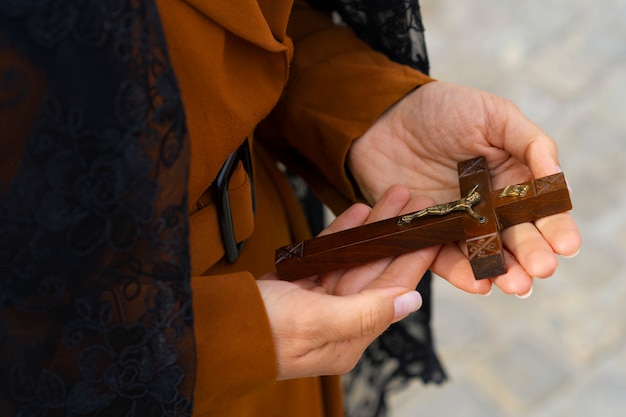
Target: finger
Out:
[390,204]
[531,250]
[528,143]
[353,280]
[354,216]
[406,269]
[309,285]
[541,156]
[516,280]
[453,265]
[561,232]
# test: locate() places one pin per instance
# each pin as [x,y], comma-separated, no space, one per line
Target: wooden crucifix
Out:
[477,217]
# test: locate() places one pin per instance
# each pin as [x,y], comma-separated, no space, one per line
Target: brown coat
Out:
[234,61]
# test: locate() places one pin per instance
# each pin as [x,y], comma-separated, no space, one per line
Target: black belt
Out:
[232,248]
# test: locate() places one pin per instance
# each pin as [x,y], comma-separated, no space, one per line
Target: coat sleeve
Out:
[220,302]
[338,86]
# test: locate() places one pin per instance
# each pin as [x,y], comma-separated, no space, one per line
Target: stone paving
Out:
[561,352]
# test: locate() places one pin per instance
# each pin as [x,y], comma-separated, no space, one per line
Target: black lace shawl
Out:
[393,27]
[93,226]
[95,298]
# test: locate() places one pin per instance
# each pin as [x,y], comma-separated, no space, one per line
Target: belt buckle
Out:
[224,213]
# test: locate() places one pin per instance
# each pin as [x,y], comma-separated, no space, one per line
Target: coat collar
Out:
[258,22]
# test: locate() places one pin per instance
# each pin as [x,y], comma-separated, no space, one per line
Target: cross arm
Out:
[542,197]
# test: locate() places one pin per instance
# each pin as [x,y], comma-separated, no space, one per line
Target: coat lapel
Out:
[244,18]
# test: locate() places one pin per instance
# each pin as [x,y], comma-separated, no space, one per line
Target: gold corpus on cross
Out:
[466,203]
[478,218]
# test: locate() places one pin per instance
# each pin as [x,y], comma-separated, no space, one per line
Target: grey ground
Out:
[562,352]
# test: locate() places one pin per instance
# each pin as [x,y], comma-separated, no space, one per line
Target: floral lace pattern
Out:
[393,27]
[95,298]
[403,353]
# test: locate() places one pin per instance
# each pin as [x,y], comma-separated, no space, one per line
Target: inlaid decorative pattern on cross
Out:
[290,251]
[476,218]
[484,246]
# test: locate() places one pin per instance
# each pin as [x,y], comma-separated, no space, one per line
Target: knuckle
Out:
[371,320]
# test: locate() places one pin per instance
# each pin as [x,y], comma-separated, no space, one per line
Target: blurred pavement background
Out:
[561,352]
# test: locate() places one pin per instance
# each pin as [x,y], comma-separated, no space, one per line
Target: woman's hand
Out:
[420,140]
[323,324]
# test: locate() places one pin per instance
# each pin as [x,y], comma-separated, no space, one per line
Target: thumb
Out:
[367,314]
[330,333]
[528,143]
[406,304]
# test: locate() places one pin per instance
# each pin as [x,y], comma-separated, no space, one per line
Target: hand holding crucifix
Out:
[410,152]
[477,218]
[417,144]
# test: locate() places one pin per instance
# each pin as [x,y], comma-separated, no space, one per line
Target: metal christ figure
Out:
[464,203]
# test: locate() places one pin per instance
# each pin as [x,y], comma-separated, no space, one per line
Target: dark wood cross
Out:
[477,218]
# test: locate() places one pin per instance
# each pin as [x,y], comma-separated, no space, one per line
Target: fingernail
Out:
[569,187]
[406,304]
[525,296]
[488,293]
[572,255]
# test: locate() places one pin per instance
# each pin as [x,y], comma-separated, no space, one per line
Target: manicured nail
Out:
[406,304]
[569,187]
[572,255]
[525,296]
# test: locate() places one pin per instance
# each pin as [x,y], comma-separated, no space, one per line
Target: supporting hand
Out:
[323,324]
[420,140]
